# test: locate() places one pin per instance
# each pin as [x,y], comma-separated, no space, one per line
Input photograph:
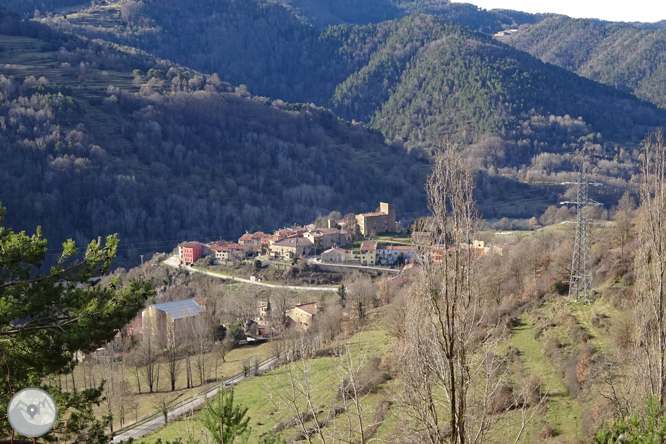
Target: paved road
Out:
[183,408]
[173,262]
[360,267]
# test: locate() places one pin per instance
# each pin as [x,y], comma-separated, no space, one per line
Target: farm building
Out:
[168,321]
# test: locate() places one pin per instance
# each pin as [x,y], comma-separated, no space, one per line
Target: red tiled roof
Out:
[402,247]
[368,246]
[397,280]
[308,308]
[246,236]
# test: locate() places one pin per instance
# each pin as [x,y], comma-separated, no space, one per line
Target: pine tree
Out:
[225,421]
[47,317]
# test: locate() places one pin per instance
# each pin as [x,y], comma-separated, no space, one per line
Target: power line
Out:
[580,281]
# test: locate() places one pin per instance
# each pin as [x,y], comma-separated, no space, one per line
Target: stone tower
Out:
[390,210]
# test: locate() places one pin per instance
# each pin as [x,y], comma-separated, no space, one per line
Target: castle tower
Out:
[390,210]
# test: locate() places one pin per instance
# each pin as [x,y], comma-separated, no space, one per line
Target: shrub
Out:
[571,376]
[551,347]
[622,333]
[368,379]
[503,400]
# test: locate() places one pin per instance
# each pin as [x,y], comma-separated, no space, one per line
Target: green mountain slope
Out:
[89,146]
[362,12]
[629,57]
[427,80]
[418,79]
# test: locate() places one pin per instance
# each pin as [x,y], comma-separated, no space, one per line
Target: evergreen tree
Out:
[342,292]
[47,317]
[225,421]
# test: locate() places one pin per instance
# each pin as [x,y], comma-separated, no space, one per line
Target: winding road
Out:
[183,408]
[174,262]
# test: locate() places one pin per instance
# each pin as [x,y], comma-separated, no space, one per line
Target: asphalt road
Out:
[184,408]
[360,267]
[173,262]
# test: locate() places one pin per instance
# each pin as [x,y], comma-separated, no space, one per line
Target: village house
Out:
[390,254]
[253,242]
[295,231]
[290,248]
[190,252]
[477,247]
[382,221]
[324,238]
[337,254]
[437,253]
[168,321]
[229,252]
[301,315]
[368,254]
[262,311]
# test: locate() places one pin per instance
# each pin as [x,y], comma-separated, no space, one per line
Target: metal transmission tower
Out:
[580,282]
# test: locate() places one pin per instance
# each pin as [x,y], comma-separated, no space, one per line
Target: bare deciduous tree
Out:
[650,265]
[354,386]
[293,392]
[623,216]
[200,342]
[361,293]
[146,357]
[172,353]
[442,351]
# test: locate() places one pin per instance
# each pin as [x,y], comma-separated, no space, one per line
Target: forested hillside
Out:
[631,57]
[362,12]
[34,8]
[418,79]
[97,139]
[424,79]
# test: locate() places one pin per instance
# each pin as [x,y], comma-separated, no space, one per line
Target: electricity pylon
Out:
[580,282]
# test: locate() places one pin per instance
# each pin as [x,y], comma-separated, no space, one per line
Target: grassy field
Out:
[89,374]
[255,394]
[564,414]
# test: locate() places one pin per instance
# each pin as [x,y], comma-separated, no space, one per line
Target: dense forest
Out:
[362,12]
[165,152]
[91,144]
[416,79]
[30,8]
[627,56]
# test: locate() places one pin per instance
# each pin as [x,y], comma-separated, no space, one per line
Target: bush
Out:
[551,347]
[503,400]
[578,334]
[571,376]
[622,333]
[560,287]
[598,320]
[368,379]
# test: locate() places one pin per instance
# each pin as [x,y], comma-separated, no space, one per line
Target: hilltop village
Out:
[343,241]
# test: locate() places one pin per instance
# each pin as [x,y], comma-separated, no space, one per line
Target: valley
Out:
[325,221]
